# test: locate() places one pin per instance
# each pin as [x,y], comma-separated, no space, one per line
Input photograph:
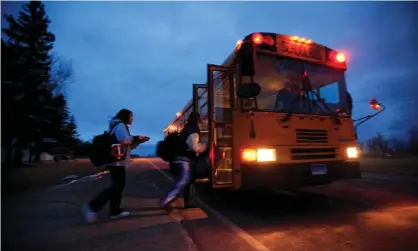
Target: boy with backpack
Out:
[182,149]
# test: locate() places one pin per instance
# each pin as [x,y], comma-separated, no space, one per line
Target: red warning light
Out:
[374,104]
[340,57]
[268,40]
[257,38]
[337,57]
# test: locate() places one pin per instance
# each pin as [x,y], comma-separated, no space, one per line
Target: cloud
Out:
[145,55]
[141,56]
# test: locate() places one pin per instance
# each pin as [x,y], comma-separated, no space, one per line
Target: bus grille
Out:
[311,136]
[313,153]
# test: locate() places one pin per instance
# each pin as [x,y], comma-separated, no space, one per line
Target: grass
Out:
[406,166]
[40,176]
[44,175]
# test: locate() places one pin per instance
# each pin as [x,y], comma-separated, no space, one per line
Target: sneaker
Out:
[120,215]
[89,214]
[165,205]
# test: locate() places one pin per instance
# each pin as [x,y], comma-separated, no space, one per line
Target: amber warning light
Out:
[258,155]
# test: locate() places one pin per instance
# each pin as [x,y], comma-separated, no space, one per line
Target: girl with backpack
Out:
[185,154]
[124,143]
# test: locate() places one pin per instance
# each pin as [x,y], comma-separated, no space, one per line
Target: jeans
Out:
[183,183]
[113,194]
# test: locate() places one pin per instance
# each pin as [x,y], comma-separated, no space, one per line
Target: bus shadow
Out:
[269,208]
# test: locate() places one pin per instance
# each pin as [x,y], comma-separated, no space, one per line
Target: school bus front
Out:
[305,150]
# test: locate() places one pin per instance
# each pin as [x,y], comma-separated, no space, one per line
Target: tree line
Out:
[34,105]
[380,146]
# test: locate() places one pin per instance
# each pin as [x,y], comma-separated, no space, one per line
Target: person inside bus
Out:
[186,154]
[286,96]
[118,127]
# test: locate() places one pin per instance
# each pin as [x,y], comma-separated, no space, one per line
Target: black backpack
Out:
[100,152]
[168,148]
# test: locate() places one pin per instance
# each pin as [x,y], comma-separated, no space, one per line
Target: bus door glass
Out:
[200,104]
[221,102]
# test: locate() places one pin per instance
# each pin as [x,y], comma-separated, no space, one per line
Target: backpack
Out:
[100,152]
[167,149]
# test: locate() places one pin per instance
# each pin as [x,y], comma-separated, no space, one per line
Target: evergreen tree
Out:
[10,94]
[71,132]
[29,41]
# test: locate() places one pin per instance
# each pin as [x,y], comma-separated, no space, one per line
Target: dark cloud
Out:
[145,56]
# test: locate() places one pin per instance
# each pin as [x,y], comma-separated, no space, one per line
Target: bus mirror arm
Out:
[375,105]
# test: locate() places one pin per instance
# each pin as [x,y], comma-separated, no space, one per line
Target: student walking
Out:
[124,143]
[185,155]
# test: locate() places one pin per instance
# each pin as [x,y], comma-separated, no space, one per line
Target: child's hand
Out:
[142,139]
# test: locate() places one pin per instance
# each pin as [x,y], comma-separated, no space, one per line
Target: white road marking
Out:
[237,230]
[83,179]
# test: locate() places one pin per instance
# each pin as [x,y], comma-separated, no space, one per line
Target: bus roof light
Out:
[301,40]
[340,57]
[257,38]
[238,44]
[268,40]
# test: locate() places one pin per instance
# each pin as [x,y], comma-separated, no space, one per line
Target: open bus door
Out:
[221,101]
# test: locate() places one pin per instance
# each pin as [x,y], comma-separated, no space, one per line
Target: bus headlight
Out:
[259,155]
[352,153]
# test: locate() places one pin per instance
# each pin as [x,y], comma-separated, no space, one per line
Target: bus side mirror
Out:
[248,90]
[246,54]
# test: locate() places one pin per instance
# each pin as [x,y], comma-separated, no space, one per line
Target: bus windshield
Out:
[281,83]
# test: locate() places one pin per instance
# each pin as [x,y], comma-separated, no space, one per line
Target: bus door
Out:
[221,100]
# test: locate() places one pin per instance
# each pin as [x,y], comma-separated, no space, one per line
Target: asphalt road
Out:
[364,214]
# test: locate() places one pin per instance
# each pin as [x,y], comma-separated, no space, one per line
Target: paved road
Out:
[366,214]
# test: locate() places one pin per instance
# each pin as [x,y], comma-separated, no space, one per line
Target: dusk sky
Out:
[144,56]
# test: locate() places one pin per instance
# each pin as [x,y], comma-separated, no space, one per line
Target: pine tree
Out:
[29,41]
[71,128]
[10,95]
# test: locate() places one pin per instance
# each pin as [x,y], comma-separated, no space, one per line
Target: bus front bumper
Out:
[278,175]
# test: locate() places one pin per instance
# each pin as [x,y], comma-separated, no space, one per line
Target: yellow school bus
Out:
[278,115]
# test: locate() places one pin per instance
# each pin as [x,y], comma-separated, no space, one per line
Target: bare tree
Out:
[62,74]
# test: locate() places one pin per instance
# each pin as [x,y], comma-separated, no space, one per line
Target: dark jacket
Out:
[190,135]
[186,149]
